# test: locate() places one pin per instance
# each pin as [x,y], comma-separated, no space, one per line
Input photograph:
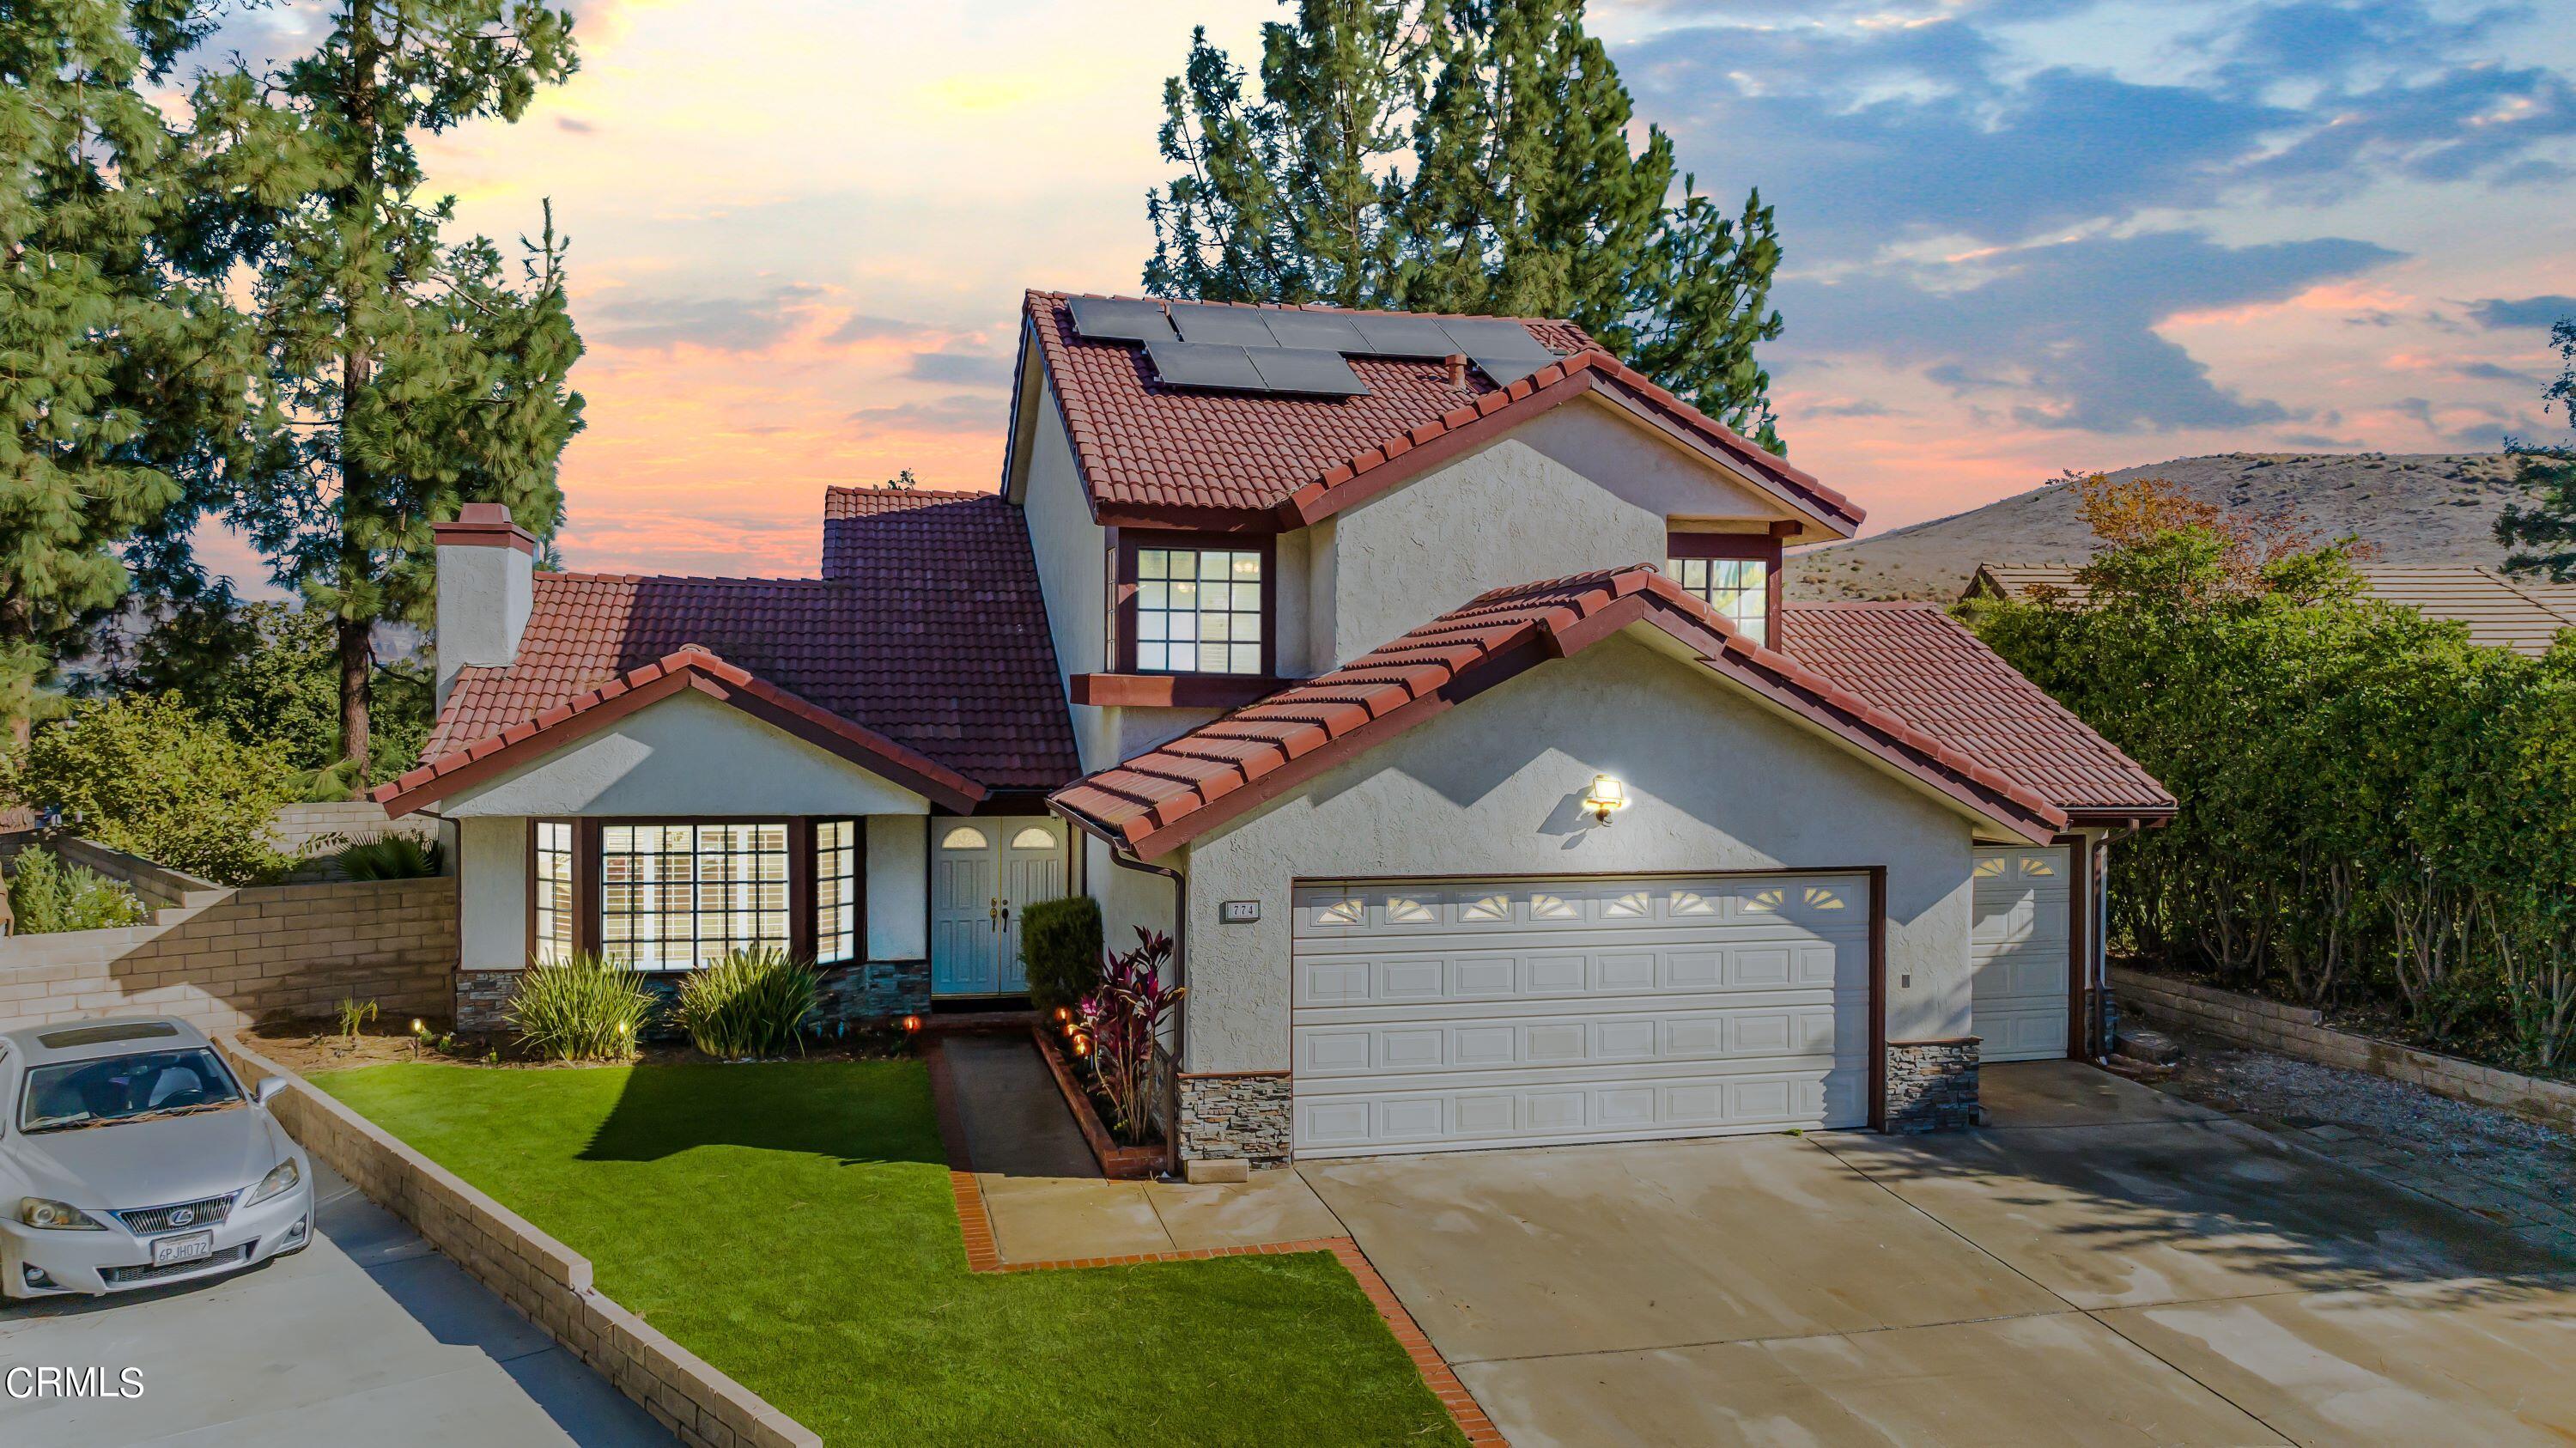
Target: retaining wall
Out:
[2296,1031]
[541,1277]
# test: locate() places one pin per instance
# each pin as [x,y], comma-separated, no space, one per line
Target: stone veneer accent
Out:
[1235,1116]
[1931,1086]
[541,1277]
[879,990]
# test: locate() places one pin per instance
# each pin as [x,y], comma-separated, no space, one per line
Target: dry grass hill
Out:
[2419,508]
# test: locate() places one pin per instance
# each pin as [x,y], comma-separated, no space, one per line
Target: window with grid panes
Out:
[1740,588]
[553,891]
[678,896]
[836,891]
[1198,610]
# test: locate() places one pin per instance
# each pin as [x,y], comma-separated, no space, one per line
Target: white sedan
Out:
[130,1156]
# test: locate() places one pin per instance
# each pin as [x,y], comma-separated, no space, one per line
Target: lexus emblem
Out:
[183,1217]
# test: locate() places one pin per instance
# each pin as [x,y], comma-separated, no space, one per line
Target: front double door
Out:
[983,872]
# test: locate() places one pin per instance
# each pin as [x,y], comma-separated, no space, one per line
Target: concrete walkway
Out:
[1045,1194]
[367,1336]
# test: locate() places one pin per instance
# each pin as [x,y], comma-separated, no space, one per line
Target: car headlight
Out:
[56,1216]
[281,1178]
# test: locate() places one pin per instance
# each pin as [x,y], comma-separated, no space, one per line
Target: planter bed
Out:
[1118,1163]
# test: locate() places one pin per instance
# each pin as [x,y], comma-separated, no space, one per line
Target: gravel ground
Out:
[2488,1146]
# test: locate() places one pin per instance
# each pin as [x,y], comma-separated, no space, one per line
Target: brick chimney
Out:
[486,586]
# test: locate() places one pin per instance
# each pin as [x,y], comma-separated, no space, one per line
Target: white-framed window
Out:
[678,896]
[1739,588]
[836,891]
[552,872]
[1198,610]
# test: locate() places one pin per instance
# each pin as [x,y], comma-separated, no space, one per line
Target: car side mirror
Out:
[268,1090]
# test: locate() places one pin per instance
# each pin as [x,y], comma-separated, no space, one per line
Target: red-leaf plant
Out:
[1120,1021]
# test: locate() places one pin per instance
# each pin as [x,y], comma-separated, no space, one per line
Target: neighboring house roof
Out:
[1152,453]
[1169,795]
[689,668]
[2500,611]
[927,629]
[1928,669]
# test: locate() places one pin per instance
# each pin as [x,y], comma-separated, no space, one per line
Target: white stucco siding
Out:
[1494,787]
[1071,549]
[492,893]
[485,594]
[1579,487]
[687,755]
[898,888]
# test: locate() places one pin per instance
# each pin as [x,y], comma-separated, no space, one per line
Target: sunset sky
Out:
[2020,236]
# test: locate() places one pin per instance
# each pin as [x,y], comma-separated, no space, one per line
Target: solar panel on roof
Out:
[1492,337]
[1242,326]
[1114,319]
[1309,371]
[1204,364]
[1319,330]
[1392,334]
[1507,370]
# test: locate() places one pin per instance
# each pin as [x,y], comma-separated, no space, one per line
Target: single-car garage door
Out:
[1451,1015]
[2021,953]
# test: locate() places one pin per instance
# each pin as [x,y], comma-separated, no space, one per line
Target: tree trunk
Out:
[357,669]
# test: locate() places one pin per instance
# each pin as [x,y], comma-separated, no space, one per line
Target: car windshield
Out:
[112,1089]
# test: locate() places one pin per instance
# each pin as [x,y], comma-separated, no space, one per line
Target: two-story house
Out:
[1428,678]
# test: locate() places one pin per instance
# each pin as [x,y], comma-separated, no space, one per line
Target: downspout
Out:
[2101,962]
[1119,856]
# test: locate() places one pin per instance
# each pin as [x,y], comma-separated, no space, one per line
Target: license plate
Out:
[170,1251]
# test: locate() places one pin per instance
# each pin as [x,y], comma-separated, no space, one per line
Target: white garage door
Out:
[2021,953]
[1436,1017]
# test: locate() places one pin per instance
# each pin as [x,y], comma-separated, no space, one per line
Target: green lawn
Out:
[792,1225]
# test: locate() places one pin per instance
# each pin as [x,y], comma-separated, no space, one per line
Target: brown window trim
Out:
[1123,597]
[1764,547]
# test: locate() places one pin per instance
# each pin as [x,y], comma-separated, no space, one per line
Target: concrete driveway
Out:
[2103,1261]
[367,1336]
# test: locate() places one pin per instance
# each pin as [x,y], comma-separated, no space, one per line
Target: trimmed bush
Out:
[48,896]
[392,857]
[749,1003]
[1060,945]
[583,1008]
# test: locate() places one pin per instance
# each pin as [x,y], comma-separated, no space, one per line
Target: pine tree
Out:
[404,376]
[2543,534]
[1461,156]
[122,368]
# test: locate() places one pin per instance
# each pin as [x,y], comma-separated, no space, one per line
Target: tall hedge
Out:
[1060,943]
[145,774]
[2374,810]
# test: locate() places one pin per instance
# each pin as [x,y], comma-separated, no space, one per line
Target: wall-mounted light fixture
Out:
[1608,796]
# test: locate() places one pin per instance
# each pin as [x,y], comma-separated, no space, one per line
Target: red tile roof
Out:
[927,628]
[1151,453]
[1169,795]
[688,668]
[1929,670]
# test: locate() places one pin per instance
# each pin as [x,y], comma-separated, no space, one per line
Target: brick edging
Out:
[544,1280]
[983,1254]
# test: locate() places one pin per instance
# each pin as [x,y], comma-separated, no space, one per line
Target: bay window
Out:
[836,891]
[671,895]
[552,884]
[1737,574]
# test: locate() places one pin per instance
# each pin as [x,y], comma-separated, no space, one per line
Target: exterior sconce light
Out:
[1608,796]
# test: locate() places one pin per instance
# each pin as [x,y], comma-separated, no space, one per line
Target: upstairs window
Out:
[1736,574]
[1198,608]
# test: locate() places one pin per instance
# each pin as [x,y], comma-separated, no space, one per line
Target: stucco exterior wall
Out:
[485,594]
[687,755]
[1579,487]
[1071,550]
[492,893]
[898,890]
[1128,898]
[1493,788]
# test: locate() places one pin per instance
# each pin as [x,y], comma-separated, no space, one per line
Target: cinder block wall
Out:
[228,958]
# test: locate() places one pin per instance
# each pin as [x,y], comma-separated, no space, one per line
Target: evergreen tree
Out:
[123,371]
[1461,156]
[2543,535]
[404,376]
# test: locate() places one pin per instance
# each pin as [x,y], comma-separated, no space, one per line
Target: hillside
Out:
[2417,507]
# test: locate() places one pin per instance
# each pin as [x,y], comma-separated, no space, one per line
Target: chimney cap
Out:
[484,525]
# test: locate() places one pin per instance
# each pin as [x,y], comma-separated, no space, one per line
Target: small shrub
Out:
[392,857]
[584,1008]
[1060,946]
[749,1003]
[354,1013]
[48,896]
[1121,1022]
